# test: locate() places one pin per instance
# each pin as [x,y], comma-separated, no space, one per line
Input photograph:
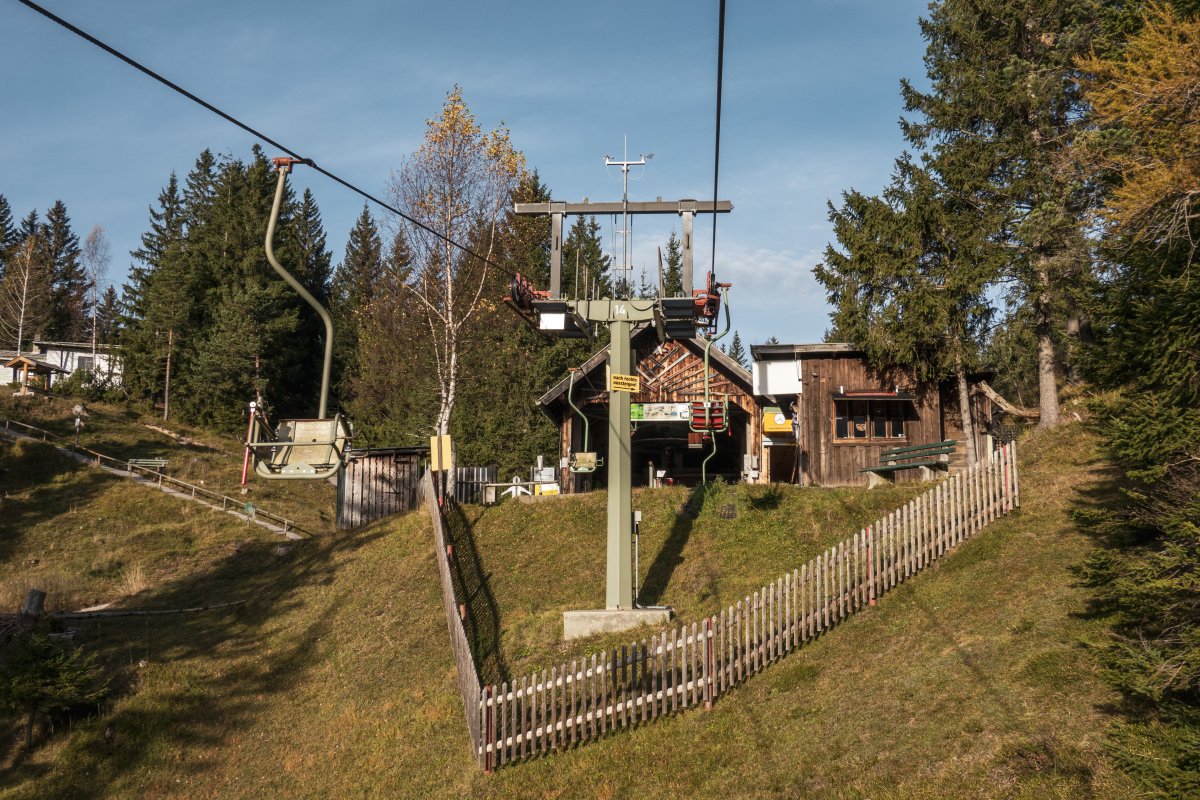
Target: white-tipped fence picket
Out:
[695,664]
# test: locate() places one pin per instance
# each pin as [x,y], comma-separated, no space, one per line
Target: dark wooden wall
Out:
[829,463]
[376,483]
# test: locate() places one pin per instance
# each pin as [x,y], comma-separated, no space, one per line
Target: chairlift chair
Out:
[298,449]
[710,416]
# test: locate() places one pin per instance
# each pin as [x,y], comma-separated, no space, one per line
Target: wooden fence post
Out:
[708,663]
[487,744]
[870,567]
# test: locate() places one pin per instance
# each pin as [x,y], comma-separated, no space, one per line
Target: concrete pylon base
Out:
[577,624]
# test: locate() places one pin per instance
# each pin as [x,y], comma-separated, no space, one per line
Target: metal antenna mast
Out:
[625,164]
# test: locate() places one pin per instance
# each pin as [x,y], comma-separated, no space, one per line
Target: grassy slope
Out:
[211,460]
[971,681]
[549,556]
[86,537]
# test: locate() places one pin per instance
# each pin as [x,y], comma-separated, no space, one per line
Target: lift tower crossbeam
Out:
[556,210]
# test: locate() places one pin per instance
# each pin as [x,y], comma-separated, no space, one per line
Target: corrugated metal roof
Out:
[775,352]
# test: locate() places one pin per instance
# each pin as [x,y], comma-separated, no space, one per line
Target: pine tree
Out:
[737,351]
[772,340]
[69,285]
[673,271]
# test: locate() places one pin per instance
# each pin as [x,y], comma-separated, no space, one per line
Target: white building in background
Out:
[73,356]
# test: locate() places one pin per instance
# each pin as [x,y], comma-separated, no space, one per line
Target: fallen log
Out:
[1029,413]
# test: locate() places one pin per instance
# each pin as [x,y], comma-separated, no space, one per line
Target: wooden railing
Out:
[226,503]
[695,664]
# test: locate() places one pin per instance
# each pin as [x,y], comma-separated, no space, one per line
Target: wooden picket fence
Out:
[468,679]
[695,664]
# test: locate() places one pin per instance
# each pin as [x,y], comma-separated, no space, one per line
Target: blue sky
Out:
[810,109]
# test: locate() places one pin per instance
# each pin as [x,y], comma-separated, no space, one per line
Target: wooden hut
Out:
[828,414]
[378,482]
[664,448]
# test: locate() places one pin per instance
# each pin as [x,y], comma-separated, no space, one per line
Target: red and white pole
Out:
[249,438]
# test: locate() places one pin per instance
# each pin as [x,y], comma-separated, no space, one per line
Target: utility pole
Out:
[674,317]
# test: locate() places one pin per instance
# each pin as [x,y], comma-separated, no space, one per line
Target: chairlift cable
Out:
[254,132]
[717,139]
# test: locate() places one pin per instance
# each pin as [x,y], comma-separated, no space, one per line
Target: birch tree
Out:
[458,185]
[96,259]
[24,294]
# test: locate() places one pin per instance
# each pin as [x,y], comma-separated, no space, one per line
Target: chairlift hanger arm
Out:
[284,166]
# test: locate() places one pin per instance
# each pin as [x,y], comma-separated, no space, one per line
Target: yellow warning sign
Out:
[624,383]
[439,453]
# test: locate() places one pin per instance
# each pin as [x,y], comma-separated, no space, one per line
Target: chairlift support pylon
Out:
[297,449]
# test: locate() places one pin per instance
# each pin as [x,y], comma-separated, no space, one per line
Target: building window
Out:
[83,363]
[868,420]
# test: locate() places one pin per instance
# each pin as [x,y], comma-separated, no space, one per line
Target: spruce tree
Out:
[737,351]
[909,284]
[997,122]
[30,226]
[69,287]
[8,233]
[585,245]
[155,299]
[353,289]
[39,676]
[108,316]
[673,267]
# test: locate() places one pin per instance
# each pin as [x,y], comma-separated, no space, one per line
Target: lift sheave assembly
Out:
[298,449]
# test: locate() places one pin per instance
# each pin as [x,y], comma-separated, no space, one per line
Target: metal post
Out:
[688,218]
[620,472]
[556,229]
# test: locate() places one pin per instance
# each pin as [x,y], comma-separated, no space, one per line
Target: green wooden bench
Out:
[923,457]
[156,464]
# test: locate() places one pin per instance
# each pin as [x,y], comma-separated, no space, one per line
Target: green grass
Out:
[209,460]
[335,679]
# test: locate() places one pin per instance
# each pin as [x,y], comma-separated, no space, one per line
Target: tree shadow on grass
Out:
[473,590]
[32,492]
[1037,750]
[193,711]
